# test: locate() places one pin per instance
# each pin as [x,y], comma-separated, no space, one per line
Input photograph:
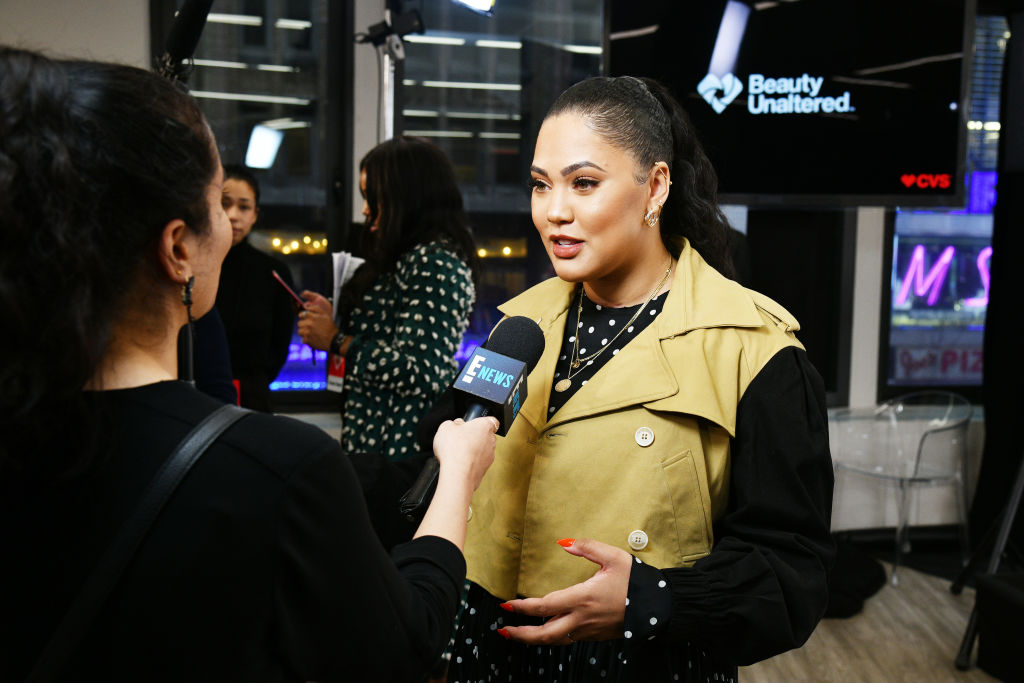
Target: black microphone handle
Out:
[474,411]
[423,488]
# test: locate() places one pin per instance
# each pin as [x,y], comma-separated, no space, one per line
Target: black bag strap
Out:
[111,565]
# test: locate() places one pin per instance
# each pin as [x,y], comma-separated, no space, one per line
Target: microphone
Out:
[493,382]
[182,39]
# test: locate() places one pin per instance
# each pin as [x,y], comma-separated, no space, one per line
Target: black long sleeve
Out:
[410,598]
[764,587]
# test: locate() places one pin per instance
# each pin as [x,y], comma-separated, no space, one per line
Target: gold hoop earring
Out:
[651,217]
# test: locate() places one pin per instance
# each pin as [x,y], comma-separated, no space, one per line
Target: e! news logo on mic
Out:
[495,381]
[476,369]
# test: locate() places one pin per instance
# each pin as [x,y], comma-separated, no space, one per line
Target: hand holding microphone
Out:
[493,382]
[466,447]
[465,451]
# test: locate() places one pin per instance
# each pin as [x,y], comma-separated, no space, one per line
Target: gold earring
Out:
[651,217]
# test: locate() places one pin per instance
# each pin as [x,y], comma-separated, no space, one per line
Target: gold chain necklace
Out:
[575,362]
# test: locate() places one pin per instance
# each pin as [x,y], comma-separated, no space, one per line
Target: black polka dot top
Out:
[596,329]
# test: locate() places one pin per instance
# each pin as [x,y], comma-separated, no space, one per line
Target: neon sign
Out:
[932,282]
[984,258]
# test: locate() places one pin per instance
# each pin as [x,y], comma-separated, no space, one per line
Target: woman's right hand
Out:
[316,321]
[465,451]
[467,447]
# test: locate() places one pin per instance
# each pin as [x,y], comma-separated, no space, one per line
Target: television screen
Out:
[838,102]
[939,295]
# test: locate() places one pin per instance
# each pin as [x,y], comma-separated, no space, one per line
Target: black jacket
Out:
[263,566]
[259,317]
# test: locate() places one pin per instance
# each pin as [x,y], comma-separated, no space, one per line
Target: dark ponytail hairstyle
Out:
[640,116]
[95,159]
[413,198]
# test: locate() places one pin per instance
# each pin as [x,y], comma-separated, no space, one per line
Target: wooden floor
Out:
[908,633]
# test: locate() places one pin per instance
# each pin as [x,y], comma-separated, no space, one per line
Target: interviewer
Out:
[263,565]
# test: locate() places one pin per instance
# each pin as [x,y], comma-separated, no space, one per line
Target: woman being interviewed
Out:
[263,565]
[402,315]
[675,433]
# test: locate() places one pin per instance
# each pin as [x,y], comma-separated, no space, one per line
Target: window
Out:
[479,86]
[266,77]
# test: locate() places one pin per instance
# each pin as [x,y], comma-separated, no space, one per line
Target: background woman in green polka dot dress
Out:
[402,315]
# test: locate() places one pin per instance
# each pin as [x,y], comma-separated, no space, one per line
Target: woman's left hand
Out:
[592,610]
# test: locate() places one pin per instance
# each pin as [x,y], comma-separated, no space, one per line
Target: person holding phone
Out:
[258,314]
[262,565]
[402,315]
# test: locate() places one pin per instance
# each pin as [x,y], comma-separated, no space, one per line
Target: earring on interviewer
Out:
[186,296]
[186,341]
[651,217]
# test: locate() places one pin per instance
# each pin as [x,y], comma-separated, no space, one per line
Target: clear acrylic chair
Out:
[918,439]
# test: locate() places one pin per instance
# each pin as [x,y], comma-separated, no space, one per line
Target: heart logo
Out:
[908,179]
[709,86]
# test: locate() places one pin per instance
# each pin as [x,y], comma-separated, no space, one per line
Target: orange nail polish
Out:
[503,632]
[566,542]
[507,607]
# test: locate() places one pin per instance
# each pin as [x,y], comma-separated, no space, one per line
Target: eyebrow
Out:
[570,168]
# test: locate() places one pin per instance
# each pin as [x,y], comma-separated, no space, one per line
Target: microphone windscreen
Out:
[186,29]
[517,337]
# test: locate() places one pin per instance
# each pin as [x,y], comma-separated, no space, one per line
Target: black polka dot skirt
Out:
[481,655]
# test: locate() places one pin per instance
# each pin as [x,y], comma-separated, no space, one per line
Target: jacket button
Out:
[644,437]
[637,540]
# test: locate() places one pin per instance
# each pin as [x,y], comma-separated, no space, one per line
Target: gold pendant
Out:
[562,385]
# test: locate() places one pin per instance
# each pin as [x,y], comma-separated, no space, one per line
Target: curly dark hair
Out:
[95,159]
[413,198]
[640,116]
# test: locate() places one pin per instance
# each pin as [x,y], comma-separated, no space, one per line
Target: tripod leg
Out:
[963,657]
[979,555]
[1007,523]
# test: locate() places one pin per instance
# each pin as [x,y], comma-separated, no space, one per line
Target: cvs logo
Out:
[926,180]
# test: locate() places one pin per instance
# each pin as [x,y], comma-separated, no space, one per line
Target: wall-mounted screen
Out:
[939,287]
[837,102]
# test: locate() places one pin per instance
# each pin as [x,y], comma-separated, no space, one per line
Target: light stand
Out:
[386,37]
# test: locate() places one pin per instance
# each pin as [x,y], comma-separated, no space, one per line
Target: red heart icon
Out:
[908,179]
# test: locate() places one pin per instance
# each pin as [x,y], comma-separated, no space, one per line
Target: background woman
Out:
[675,434]
[258,313]
[263,565]
[402,316]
